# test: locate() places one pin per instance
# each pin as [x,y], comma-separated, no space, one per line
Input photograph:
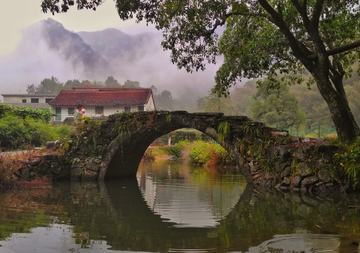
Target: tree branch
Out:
[227,15]
[302,12]
[316,13]
[293,42]
[338,50]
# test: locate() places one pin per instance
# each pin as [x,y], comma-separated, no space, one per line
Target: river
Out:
[174,207]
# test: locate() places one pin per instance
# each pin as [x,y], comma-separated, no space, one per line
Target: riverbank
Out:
[315,167]
[28,169]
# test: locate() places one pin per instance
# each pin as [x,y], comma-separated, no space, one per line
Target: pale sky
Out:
[15,15]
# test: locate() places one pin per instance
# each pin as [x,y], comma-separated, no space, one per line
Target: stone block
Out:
[286,181]
[309,181]
[296,182]
[34,162]
[89,175]
[324,175]
[75,174]
[303,171]
[286,172]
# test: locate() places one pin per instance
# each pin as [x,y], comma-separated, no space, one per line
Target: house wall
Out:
[108,110]
[150,106]
[18,99]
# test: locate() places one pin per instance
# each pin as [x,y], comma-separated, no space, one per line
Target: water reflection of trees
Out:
[117,213]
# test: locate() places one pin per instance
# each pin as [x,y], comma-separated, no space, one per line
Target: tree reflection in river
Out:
[120,215]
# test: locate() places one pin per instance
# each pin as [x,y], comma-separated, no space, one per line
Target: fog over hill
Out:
[48,49]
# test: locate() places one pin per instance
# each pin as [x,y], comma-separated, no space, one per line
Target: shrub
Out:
[350,160]
[19,133]
[208,154]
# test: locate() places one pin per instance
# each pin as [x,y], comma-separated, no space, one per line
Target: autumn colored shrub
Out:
[208,154]
[10,164]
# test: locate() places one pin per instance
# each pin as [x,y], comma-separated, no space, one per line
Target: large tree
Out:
[47,86]
[262,37]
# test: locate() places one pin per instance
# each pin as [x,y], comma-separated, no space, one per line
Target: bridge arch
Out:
[126,136]
[124,157]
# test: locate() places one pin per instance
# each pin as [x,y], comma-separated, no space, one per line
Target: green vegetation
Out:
[208,154]
[22,128]
[277,107]
[349,159]
[262,38]
[52,85]
[224,131]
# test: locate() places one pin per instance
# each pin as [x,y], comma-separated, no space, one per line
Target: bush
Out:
[19,133]
[208,154]
[350,160]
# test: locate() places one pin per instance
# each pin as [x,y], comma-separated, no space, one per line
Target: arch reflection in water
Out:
[100,217]
[188,196]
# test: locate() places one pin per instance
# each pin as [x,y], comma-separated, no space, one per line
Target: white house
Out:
[37,101]
[101,100]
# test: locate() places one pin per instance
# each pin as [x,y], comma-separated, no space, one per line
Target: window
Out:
[34,100]
[57,113]
[48,100]
[140,108]
[99,109]
[24,101]
[127,108]
[71,111]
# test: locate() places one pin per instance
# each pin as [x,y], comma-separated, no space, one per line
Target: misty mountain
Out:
[48,49]
[71,47]
[113,43]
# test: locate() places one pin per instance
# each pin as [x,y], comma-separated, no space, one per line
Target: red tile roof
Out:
[103,98]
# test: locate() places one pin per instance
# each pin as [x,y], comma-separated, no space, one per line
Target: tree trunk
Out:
[344,121]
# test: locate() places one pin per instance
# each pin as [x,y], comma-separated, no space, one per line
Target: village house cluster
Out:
[96,100]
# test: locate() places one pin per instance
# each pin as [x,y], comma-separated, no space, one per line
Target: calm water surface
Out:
[176,208]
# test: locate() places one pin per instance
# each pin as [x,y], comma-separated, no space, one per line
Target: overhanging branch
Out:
[338,50]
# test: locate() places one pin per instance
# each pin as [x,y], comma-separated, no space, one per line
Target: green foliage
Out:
[223,131]
[163,100]
[47,86]
[261,38]
[215,103]
[19,133]
[131,84]
[277,106]
[168,118]
[173,150]
[111,81]
[43,115]
[208,154]
[349,159]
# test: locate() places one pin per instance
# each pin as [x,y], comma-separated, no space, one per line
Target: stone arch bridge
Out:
[113,147]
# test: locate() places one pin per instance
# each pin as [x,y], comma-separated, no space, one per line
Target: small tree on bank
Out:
[261,37]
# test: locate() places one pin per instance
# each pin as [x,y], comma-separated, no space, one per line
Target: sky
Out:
[15,15]
[17,71]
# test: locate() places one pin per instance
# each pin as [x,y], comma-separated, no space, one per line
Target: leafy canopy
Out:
[261,37]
